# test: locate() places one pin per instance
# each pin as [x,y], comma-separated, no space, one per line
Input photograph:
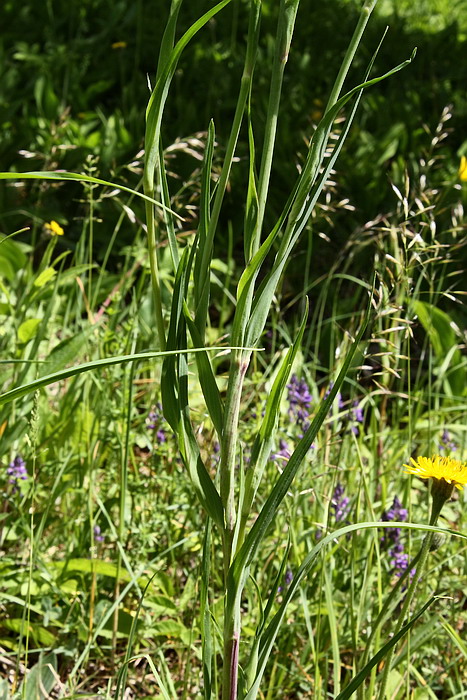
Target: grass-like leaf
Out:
[78,177]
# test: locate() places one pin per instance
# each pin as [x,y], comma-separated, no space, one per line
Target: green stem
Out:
[238,369]
[232,628]
[384,612]
[437,504]
[229,439]
[365,13]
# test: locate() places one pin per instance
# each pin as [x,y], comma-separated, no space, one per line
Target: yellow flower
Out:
[453,471]
[119,45]
[54,229]
[463,169]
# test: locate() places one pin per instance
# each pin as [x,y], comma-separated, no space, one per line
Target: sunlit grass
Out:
[100,500]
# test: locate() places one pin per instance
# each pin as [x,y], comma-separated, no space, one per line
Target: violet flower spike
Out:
[340,504]
[16,471]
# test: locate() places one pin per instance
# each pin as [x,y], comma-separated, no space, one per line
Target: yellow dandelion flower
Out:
[54,229]
[463,169]
[453,471]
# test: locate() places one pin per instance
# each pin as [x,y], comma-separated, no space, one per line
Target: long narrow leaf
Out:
[360,677]
[275,624]
[206,376]
[263,443]
[205,613]
[282,485]
[77,177]
[158,97]
[308,189]
[175,397]
[202,265]
[96,364]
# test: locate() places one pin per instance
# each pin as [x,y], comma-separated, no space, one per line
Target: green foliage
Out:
[201,445]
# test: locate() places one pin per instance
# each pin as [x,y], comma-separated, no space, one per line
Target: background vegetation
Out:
[95,500]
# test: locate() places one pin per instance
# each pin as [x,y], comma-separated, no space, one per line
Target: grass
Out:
[123,577]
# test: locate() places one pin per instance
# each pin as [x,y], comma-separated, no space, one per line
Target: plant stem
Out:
[365,13]
[437,505]
[229,439]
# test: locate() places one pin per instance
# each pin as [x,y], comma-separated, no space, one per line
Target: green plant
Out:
[242,496]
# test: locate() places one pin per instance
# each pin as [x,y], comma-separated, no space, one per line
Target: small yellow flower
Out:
[54,229]
[453,471]
[463,169]
[119,45]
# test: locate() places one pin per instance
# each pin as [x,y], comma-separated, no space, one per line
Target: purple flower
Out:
[355,417]
[395,512]
[357,412]
[16,472]
[151,420]
[154,421]
[340,503]
[446,442]
[288,578]
[154,417]
[300,400]
[399,561]
[283,452]
[97,534]
[391,538]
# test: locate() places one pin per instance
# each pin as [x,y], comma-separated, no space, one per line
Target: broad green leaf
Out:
[66,352]
[45,276]
[441,331]
[12,257]
[93,566]
[40,635]
[173,629]
[41,679]
[28,329]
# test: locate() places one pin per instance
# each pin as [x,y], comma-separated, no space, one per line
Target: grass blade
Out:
[360,677]
[78,177]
